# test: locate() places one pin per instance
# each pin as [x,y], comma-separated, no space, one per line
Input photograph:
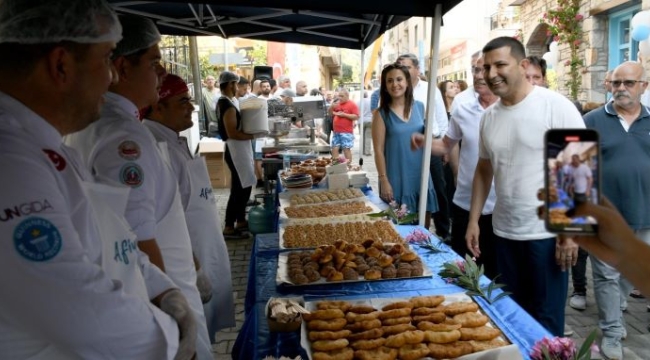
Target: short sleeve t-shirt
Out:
[343,124]
[512,139]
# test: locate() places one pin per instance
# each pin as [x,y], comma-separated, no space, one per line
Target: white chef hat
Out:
[48,21]
[138,33]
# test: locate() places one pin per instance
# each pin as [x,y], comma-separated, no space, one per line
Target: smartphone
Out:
[572,176]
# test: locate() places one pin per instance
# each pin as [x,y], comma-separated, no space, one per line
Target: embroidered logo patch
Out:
[56,158]
[132,175]
[37,239]
[129,150]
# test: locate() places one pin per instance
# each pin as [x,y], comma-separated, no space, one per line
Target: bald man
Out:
[622,124]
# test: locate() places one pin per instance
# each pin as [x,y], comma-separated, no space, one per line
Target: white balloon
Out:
[551,60]
[644,47]
[641,18]
[552,47]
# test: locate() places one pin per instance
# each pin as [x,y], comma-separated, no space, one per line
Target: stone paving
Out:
[636,346]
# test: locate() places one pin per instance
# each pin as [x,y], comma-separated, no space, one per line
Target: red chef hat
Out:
[172,85]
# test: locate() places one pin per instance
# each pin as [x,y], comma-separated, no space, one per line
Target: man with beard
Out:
[464,126]
[265,89]
[623,126]
[532,261]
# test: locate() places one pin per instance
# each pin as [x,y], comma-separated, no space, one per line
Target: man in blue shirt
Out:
[624,127]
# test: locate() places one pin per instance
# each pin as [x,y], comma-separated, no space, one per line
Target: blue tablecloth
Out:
[255,341]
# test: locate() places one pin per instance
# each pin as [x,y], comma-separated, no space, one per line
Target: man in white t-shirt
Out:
[464,125]
[582,179]
[532,261]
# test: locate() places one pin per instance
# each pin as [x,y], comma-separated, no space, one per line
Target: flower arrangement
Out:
[423,239]
[340,160]
[560,348]
[399,214]
[467,275]
[565,25]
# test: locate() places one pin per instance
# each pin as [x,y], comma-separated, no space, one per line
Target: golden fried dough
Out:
[471,320]
[363,325]
[407,337]
[380,353]
[441,337]
[427,325]
[396,329]
[427,301]
[413,351]
[328,335]
[334,304]
[428,310]
[395,313]
[396,321]
[486,345]
[361,309]
[397,305]
[436,318]
[368,344]
[328,314]
[327,325]
[449,351]
[367,335]
[482,333]
[456,308]
[354,317]
[329,345]
[340,354]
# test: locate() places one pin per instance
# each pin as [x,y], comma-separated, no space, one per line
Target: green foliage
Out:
[259,54]
[565,25]
[346,73]
[467,275]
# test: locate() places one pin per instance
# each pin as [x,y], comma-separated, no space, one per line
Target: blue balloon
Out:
[640,32]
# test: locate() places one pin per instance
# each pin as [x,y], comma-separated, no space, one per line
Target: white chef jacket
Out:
[57,303]
[178,159]
[118,148]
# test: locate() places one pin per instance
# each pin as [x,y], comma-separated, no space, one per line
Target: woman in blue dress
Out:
[397,117]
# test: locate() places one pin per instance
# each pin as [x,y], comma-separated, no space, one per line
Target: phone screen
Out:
[572,159]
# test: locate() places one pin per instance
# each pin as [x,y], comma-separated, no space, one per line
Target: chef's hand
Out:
[175,304]
[204,285]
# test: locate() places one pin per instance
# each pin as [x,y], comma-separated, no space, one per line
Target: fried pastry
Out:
[471,319]
[427,310]
[367,335]
[380,353]
[396,321]
[361,309]
[397,305]
[395,313]
[427,301]
[354,317]
[328,335]
[340,354]
[327,325]
[327,314]
[435,318]
[334,304]
[441,337]
[449,351]
[413,351]
[456,308]
[427,325]
[482,333]
[329,345]
[368,344]
[396,329]
[363,325]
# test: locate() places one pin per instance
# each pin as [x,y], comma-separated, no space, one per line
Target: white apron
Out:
[241,153]
[204,225]
[120,250]
[174,242]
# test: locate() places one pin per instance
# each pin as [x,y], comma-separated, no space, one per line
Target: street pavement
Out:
[636,346]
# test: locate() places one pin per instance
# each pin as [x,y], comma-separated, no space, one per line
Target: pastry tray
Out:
[281,229]
[508,352]
[286,220]
[285,197]
[282,276]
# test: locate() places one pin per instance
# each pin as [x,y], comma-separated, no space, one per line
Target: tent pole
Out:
[196,79]
[431,111]
[361,105]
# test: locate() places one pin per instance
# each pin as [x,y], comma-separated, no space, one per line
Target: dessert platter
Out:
[348,262]
[306,236]
[422,327]
[355,210]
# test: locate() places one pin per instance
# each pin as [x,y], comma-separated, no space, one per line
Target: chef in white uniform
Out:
[238,156]
[58,302]
[171,115]
[118,148]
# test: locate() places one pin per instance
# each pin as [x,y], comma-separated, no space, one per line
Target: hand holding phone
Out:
[572,176]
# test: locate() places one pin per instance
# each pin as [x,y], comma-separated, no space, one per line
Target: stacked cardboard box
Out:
[214,151]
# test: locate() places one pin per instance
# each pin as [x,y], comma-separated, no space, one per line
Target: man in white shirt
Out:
[464,126]
[532,261]
[582,179]
[441,219]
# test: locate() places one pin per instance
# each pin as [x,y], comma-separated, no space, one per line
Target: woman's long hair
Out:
[442,86]
[385,100]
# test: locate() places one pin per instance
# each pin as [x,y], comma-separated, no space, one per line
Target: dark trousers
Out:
[536,282]
[236,208]
[579,273]
[486,239]
[441,218]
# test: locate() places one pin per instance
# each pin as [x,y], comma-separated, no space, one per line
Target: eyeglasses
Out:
[627,83]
